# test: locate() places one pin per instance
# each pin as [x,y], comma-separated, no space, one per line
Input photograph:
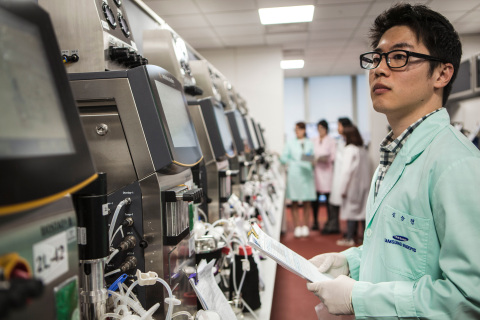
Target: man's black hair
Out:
[323,123]
[431,28]
[346,122]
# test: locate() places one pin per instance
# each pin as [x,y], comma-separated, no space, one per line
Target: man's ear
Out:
[443,74]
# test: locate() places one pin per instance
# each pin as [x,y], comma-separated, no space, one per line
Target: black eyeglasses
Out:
[394,58]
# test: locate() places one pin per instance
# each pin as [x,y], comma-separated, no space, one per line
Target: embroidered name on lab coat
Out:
[401,244]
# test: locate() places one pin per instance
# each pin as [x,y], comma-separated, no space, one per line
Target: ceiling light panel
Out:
[292,64]
[286,14]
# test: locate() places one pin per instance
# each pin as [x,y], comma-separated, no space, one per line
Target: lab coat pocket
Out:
[405,243]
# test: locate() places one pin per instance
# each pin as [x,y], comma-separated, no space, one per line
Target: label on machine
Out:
[50,258]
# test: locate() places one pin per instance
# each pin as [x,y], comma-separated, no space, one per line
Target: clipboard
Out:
[284,256]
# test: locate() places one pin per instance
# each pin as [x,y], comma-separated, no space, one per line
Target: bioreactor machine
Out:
[44,158]
[217,145]
[93,35]
[140,133]
[242,145]
[167,49]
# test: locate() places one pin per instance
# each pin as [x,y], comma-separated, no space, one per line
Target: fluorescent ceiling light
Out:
[292,64]
[286,14]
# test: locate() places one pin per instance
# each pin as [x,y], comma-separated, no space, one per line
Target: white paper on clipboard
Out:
[284,256]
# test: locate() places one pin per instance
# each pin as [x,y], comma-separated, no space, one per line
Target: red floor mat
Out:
[291,299]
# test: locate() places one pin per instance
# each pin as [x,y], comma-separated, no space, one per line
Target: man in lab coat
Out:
[420,257]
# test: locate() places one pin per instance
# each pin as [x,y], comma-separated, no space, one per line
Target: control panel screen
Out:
[224,131]
[242,131]
[32,122]
[252,133]
[175,110]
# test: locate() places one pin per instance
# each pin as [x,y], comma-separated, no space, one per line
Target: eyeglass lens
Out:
[395,59]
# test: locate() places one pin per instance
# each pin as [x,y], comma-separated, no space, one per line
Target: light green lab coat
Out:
[300,178]
[421,252]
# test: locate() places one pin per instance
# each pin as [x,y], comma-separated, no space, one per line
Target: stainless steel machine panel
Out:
[88,29]
[101,92]
[167,50]
[206,79]
[107,142]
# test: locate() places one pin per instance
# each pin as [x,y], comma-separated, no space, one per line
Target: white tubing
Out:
[250,309]
[110,257]
[170,296]
[120,228]
[111,315]
[185,313]
[114,219]
[202,213]
[111,272]
[135,306]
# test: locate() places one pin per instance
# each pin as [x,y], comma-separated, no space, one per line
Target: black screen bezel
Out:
[183,156]
[37,177]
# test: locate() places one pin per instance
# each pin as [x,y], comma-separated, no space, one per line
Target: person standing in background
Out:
[324,155]
[354,182]
[333,226]
[300,184]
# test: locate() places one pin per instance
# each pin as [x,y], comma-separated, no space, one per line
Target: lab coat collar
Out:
[420,138]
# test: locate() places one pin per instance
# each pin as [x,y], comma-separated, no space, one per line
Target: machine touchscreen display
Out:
[252,133]
[175,110]
[224,131]
[32,123]
[242,131]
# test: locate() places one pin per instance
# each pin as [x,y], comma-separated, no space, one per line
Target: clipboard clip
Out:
[252,231]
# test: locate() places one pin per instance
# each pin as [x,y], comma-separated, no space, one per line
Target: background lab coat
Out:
[335,194]
[354,181]
[324,151]
[429,201]
[300,185]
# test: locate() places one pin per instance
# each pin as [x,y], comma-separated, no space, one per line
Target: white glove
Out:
[335,294]
[333,263]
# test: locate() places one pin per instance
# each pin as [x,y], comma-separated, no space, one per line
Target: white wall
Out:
[255,73]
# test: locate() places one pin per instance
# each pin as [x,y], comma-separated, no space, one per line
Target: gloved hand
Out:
[333,263]
[335,294]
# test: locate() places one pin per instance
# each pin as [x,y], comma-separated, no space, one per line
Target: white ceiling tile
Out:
[333,24]
[201,32]
[467,28]
[340,11]
[252,40]
[202,43]
[185,21]
[449,5]
[240,30]
[318,35]
[233,18]
[330,44]
[471,16]
[166,8]
[287,37]
[208,6]
[453,16]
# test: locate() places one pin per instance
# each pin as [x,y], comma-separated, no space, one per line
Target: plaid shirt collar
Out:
[389,148]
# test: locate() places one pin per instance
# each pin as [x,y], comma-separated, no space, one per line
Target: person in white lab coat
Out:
[335,201]
[324,151]
[354,182]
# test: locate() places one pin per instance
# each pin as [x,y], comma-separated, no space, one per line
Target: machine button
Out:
[123,25]
[109,16]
